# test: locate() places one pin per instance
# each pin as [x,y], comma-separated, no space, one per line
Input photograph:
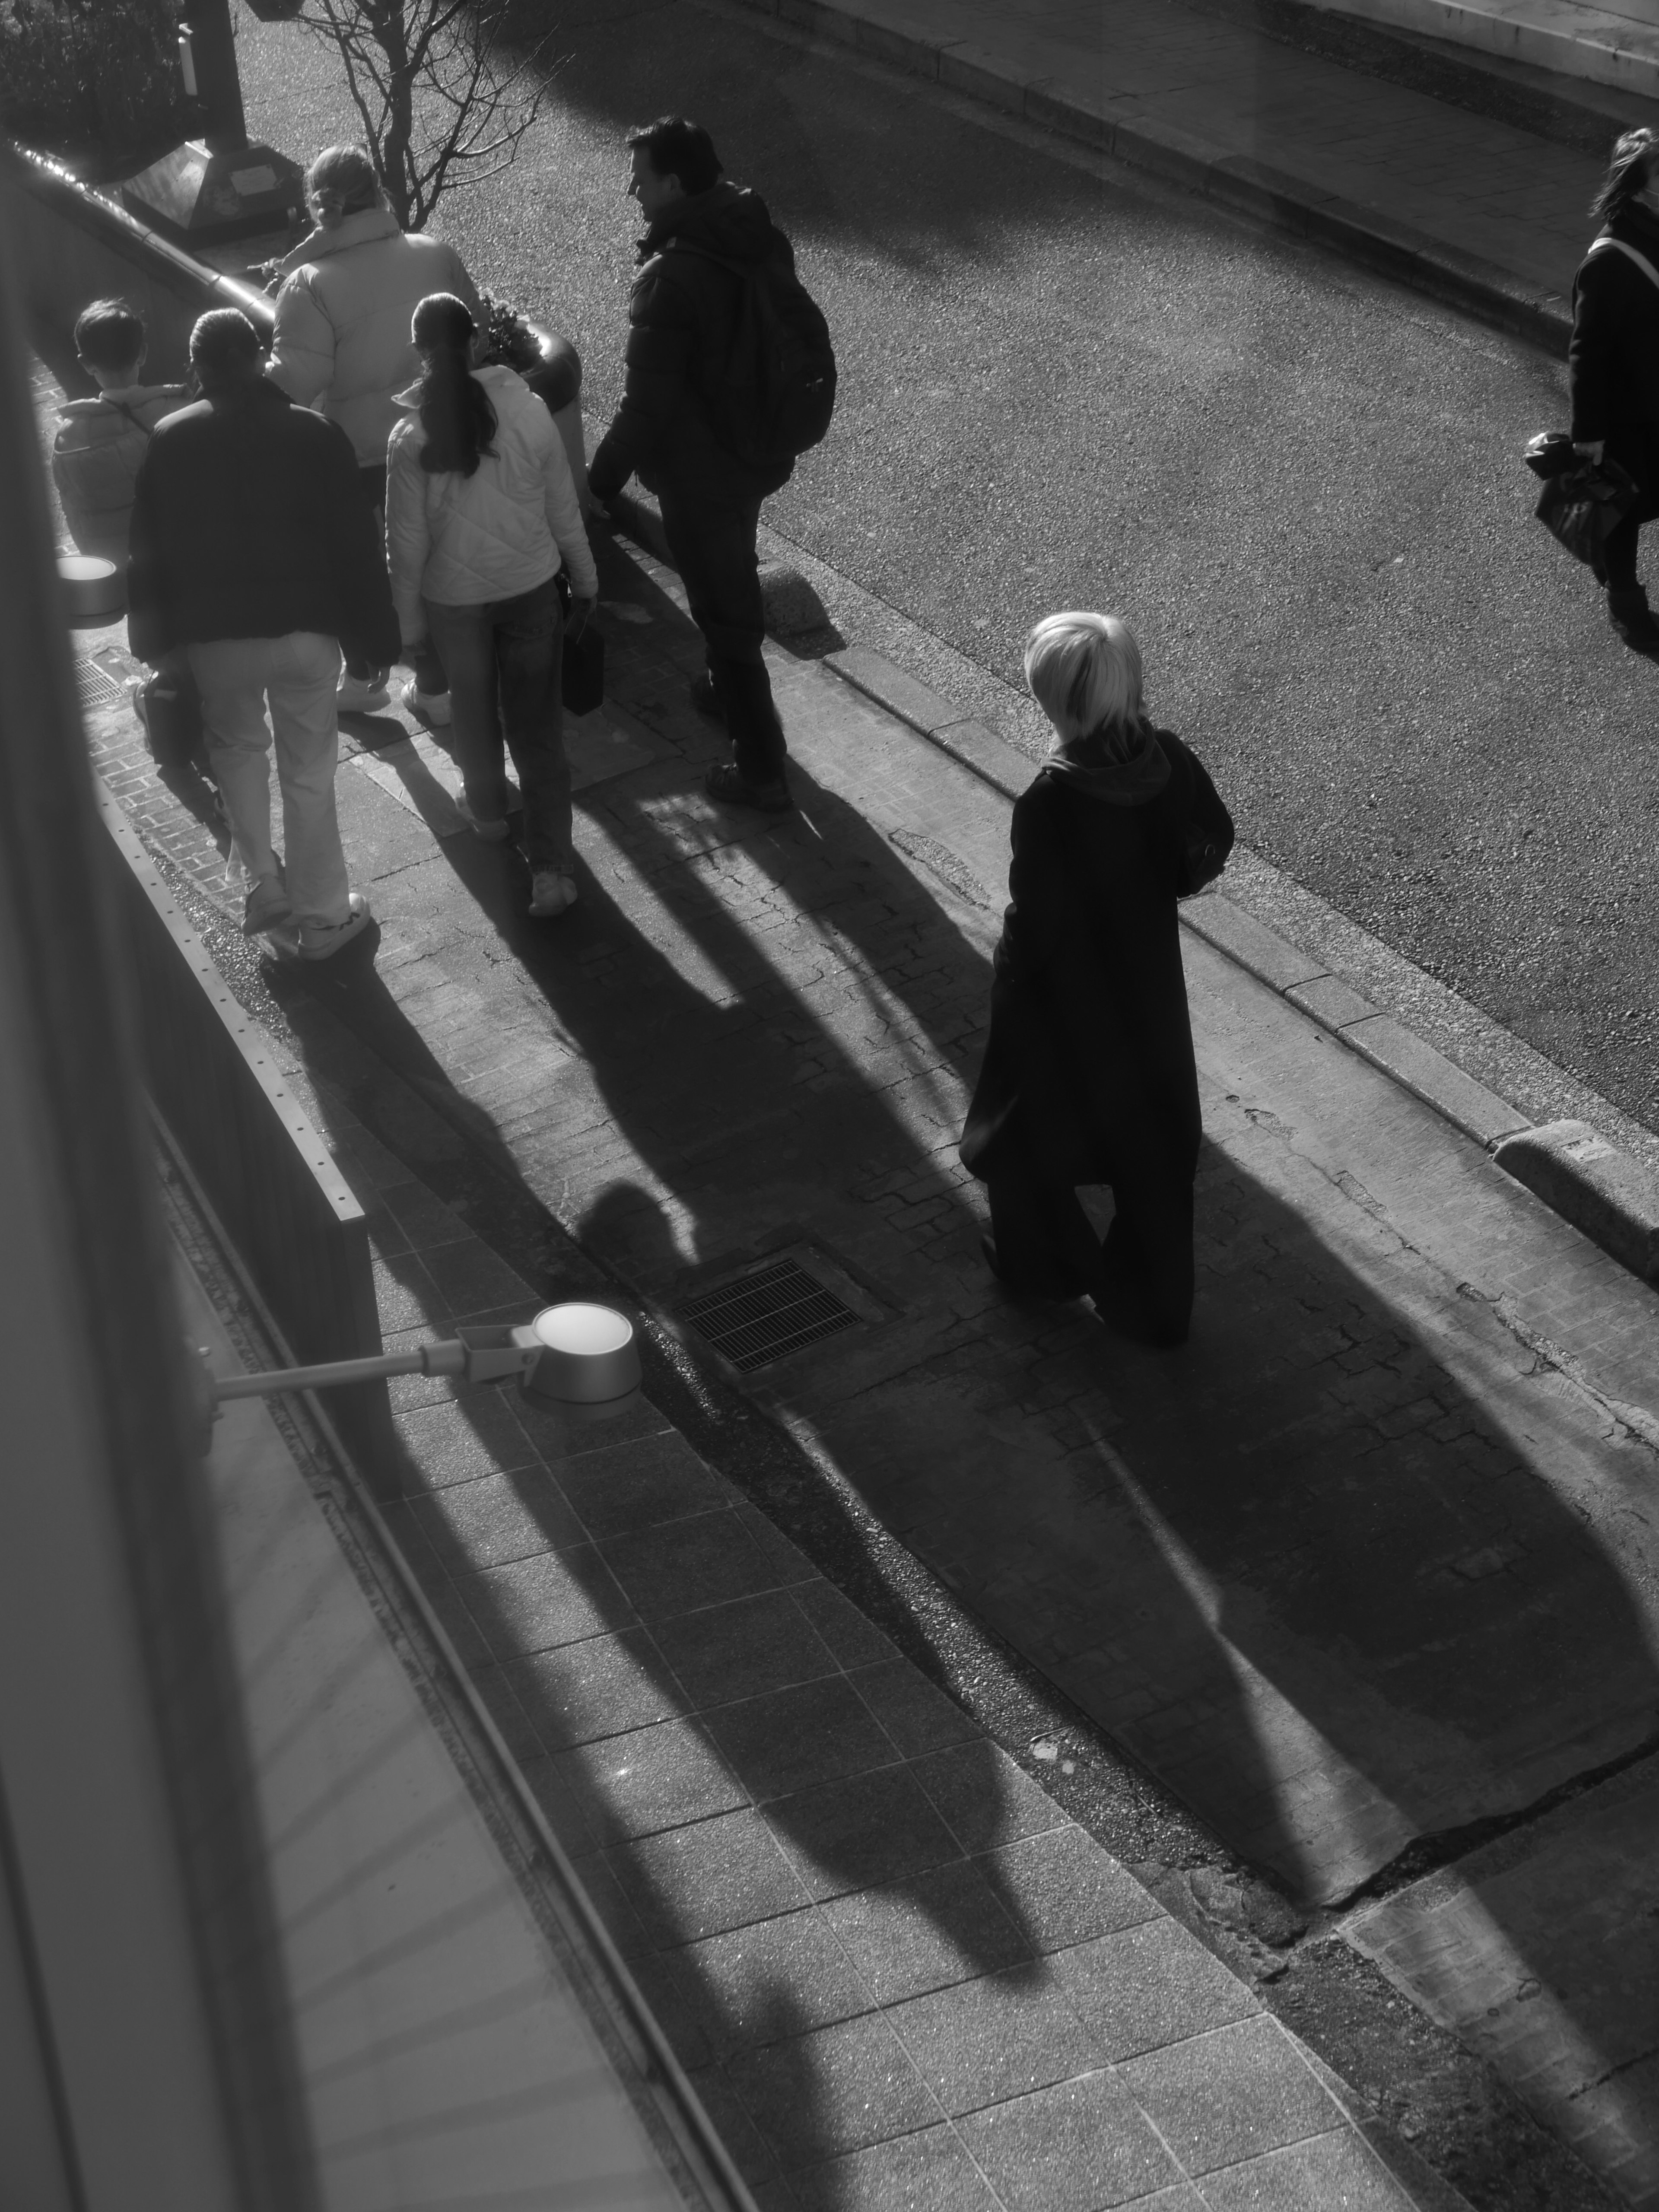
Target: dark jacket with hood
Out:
[249,520]
[681,319]
[1089,1066]
[1613,361]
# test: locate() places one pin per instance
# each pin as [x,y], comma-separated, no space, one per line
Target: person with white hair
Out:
[1088,1075]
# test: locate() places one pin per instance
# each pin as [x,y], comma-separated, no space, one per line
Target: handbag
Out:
[582,674]
[169,707]
[1579,506]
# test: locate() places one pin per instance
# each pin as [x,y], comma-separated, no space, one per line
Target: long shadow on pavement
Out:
[1295,1568]
[719,1739]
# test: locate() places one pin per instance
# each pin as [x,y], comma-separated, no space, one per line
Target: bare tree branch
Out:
[445,92]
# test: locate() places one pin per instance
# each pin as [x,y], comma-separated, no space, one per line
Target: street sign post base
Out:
[196,195]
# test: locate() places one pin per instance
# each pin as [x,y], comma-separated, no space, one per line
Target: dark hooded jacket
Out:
[681,320]
[250,519]
[1613,359]
[1089,1067]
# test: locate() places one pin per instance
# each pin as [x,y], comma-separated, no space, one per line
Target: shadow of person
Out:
[1303,1534]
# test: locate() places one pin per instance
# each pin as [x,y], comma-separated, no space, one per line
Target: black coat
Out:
[682,319]
[250,519]
[1089,1068]
[1613,360]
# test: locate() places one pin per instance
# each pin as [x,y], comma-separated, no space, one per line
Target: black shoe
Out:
[1632,618]
[703,697]
[723,782]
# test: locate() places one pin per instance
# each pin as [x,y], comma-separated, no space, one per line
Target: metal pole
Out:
[218,81]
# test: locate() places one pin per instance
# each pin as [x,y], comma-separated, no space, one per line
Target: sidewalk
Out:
[1473,210]
[1367,1564]
[894,1971]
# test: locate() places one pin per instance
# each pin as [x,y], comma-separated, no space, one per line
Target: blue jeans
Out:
[503,660]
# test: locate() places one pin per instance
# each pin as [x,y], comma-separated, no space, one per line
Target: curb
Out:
[1234,181]
[1602,1192]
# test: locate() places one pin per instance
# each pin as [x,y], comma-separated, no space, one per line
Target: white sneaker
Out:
[322,944]
[493,832]
[351,697]
[430,706]
[551,894]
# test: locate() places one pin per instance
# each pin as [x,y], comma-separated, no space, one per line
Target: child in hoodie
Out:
[100,442]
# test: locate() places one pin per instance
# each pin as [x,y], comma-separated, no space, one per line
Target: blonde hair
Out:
[1083,670]
[340,182]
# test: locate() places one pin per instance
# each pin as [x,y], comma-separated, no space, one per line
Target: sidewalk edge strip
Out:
[1234,181]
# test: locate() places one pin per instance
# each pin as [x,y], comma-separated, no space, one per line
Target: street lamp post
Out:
[218,186]
[577,1359]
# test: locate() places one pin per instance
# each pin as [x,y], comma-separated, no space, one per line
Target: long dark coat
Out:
[1613,359]
[1088,1071]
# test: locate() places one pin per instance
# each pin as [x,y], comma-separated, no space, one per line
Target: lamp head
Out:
[587,1364]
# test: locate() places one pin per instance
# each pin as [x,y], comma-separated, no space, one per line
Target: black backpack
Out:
[773,396]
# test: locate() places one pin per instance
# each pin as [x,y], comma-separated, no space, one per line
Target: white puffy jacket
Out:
[342,342]
[461,540]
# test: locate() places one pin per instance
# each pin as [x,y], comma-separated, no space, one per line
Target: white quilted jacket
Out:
[342,342]
[462,540]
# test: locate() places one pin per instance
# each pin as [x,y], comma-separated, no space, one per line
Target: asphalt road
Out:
[1301,486]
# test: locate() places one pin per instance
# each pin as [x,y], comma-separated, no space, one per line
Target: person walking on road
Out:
[342,344]
[705,239]
[1612,364]
[254,550]
[1088,1075]
[483,523]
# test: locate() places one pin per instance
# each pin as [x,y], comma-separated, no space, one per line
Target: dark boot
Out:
[1632,618]
[726,781]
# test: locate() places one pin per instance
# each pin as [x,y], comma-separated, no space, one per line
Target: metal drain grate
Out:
[96,687]
[762,1316]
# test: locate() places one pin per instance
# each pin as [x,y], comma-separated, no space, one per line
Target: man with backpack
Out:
[730,376]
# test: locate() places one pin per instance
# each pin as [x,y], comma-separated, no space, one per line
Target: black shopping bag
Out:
[582,678]
[169,707]
[1580,506]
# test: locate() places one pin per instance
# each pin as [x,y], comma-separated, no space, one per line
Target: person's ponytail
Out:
[454,409]
[1635,158]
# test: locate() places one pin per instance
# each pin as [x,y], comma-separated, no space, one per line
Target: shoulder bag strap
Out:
[1619,246]
[121,407]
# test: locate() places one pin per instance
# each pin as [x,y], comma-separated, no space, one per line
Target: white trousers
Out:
[298,674]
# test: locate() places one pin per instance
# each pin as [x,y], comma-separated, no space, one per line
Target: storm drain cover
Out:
[96,686]
[762,1316]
